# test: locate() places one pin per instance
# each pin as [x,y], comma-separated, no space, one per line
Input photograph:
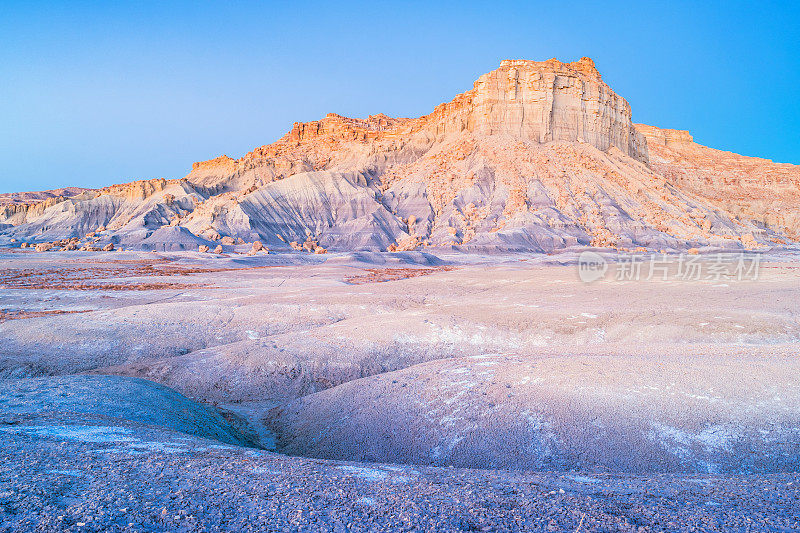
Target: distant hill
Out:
[537,156]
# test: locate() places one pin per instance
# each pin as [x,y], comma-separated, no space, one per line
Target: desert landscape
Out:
[521,311]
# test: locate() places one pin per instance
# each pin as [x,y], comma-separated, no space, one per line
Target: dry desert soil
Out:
[409,391]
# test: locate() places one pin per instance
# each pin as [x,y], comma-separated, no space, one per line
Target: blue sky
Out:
[98,93]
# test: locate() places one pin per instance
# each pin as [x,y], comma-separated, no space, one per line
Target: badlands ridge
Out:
[537,156]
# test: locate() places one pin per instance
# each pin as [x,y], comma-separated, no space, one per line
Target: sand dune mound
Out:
[616,413]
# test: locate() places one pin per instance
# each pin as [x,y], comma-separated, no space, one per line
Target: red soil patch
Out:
[6,314]
[132,286]
[90,277]
[380,275]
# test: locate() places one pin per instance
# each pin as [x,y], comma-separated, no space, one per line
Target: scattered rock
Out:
[257,247]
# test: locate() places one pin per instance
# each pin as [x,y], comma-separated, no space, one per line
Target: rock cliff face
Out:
[546,101]
[749,188]
[537,156]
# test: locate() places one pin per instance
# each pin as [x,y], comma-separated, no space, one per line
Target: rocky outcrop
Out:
[748,188]
[537,100]
[137,190]
[346,128]
[545,101]
[222,163]
[33,197]
[662,136]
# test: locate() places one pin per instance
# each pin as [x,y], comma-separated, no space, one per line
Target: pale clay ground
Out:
[604,406]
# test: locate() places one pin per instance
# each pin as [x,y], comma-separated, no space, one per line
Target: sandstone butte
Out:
[537,156]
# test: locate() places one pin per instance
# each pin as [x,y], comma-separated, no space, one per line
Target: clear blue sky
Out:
[95,93]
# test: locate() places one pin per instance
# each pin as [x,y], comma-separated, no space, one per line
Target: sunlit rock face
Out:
[538,156]
[547,101]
